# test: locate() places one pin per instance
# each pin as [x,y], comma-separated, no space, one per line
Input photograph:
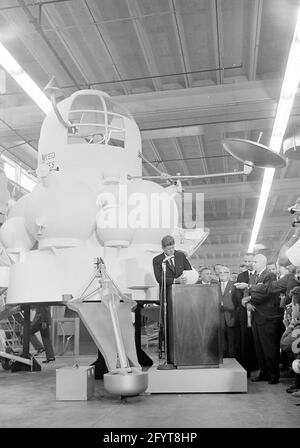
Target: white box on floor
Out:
[75,383]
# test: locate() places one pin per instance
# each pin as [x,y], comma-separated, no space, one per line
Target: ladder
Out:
[11,331]
[10,339]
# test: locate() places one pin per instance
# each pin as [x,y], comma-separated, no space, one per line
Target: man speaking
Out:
[172,262]
[175,261]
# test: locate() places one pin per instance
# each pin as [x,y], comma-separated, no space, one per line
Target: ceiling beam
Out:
[69,47]
[157,157]
[35,23]
[18,114]
[181,42]
[111,52]
[246,125]
[217,32]
[226,226]
[223,228]
[250,189]
[237,107]
[144,42]
[206,105]
[254,40]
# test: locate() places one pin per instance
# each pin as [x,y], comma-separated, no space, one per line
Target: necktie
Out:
[223,286]
[172,264]
[252,278]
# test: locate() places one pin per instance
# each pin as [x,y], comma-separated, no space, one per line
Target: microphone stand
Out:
[163,303]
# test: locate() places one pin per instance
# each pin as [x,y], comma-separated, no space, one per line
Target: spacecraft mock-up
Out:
[90,203]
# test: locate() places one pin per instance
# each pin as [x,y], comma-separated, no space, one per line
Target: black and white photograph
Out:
[149,218]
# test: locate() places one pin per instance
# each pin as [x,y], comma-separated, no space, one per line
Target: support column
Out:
[26,331]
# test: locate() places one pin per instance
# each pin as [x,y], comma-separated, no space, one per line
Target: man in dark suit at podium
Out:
[173,262]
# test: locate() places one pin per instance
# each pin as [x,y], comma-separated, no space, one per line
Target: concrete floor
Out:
[28,401]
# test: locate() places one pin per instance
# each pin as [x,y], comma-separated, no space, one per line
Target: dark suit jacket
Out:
[238,294]
[283,285]
[181,264]
[266,304]
[42,315]
[229,305]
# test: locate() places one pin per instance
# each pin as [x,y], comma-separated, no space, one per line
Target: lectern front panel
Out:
[194,325]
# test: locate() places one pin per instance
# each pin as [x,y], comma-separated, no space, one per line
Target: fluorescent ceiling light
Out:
[23,79]
[287,96]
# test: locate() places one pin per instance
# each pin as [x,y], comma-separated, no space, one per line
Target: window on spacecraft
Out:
[94,119]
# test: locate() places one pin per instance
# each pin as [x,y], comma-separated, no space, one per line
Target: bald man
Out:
[265,321]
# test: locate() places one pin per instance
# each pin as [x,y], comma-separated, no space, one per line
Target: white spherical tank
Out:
[140,212]
[112,225]
[154,212]
[61,211]
[13,232]
[17,208]
[14,235]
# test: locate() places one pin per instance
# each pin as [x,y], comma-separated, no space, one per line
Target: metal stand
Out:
[124,380]
[163,325]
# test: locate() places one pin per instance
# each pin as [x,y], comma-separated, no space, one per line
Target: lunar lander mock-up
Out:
[86,235]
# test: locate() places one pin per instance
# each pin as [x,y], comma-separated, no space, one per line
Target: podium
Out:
[194,324]
[194,346]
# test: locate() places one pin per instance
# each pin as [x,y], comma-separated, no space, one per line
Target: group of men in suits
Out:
[260,317]
[228,305]
[250,308]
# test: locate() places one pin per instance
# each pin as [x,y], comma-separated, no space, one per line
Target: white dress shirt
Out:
[223,286]
[172,261]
